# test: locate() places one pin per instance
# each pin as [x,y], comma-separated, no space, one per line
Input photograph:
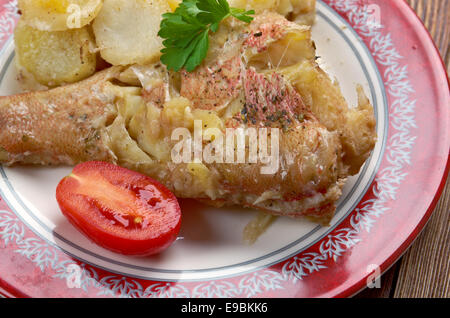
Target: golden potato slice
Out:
[292,48]
[300,11]
[59,15]
[126,31]
[56,57]
[27,81]
[257,5]
[173,4]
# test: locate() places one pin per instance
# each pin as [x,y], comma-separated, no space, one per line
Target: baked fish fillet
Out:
[261,75]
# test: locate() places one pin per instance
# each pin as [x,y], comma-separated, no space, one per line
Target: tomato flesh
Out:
[119,209]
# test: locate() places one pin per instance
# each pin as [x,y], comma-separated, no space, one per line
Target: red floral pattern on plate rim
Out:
[344,273]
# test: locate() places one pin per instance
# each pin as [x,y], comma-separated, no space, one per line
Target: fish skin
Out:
[64,125]
[213,86]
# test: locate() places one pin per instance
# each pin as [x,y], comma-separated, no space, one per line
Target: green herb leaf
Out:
[242,15]
[186,31]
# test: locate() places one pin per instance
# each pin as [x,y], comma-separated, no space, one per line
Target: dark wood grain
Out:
[424,270]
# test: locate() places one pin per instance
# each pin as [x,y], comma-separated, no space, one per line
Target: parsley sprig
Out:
[186,31]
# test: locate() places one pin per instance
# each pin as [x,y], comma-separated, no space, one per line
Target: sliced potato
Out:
[177,113]
[173,4]
[295,46]
[300,11]
[27,82]
[303,11]
[302,6]
[257,5]
[126,31]
[57,57]
[59,15]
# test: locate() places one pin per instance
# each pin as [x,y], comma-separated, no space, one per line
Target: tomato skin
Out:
[101,200]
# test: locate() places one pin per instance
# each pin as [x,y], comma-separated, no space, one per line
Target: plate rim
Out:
[403,248]
[425,218]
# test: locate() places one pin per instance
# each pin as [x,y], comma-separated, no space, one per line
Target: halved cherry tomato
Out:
[119,209]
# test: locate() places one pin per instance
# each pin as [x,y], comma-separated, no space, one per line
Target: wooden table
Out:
[424,270]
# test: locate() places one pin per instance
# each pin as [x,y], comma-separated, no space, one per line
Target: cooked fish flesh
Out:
[262,75]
